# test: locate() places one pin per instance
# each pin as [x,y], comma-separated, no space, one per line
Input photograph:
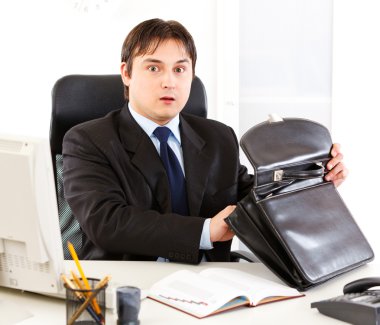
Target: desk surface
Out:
[47,310]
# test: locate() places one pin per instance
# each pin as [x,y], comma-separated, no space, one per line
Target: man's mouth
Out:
[167,98]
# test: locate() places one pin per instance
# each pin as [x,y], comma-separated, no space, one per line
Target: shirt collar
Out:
[149,126]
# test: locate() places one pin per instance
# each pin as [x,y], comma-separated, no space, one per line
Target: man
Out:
[115,179]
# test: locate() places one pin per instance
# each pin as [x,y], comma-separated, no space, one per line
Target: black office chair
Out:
[80,98]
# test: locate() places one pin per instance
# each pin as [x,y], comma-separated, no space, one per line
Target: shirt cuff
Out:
[205,238]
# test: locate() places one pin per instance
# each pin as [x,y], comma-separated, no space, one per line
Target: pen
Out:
[91,296]
[79,267]
[81,299]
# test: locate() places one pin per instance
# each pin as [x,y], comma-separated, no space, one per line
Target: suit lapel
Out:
[145,158]
[197,165]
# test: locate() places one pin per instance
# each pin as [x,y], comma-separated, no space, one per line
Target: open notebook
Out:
[215,290]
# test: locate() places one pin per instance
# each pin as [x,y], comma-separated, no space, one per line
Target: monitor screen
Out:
[31,254]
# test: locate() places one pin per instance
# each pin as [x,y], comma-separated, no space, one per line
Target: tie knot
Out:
[162,133]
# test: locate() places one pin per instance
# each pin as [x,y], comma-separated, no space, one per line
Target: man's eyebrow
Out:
[183,61]
[152,60]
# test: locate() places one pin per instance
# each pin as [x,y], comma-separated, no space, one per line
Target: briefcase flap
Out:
[293,143]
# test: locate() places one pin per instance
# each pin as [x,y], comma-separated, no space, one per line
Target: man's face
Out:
[160,83]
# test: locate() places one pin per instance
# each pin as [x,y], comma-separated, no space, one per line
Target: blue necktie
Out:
[174,171]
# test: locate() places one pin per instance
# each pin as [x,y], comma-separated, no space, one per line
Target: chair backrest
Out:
[80,98]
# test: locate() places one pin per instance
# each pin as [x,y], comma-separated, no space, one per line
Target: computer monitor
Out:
[31,253]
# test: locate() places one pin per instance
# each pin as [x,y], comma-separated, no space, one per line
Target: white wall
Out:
[43,40]
[285,60]
[356,106]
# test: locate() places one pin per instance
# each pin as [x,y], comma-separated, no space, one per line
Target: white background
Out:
[285,60]
[43,40]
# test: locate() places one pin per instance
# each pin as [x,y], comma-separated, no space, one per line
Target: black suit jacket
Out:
[118,190]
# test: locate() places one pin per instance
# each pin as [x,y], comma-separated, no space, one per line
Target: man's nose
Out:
[168,80]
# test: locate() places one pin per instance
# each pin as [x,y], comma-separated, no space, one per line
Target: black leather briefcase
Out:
[293,220]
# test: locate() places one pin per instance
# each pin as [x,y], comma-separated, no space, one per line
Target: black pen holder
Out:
[81,310]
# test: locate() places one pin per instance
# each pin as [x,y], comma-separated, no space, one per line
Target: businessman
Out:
[148,182]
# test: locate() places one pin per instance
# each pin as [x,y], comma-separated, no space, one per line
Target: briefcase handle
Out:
[280,174]
[284,178]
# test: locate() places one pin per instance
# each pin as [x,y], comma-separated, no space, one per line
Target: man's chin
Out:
[169,113]
[164,119]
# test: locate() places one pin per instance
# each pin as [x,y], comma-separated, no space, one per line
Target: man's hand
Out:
[219,230]
[337,170]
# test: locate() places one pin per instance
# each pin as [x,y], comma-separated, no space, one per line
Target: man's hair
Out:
[148,35]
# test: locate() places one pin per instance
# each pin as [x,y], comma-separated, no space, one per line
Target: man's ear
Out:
[124,74]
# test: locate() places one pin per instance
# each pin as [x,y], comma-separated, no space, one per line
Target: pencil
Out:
[80,297]
[84,279]
[76,280]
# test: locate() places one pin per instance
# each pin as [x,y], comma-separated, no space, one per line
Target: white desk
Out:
[47,310]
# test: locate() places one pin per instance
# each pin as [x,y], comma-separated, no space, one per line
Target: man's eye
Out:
[153,68]
[179,70]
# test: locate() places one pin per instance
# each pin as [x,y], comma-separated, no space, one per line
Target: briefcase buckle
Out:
[277,175]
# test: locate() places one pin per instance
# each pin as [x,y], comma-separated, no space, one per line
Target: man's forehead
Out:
[155,47]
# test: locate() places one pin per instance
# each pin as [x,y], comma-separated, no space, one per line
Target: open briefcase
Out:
[293,220]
